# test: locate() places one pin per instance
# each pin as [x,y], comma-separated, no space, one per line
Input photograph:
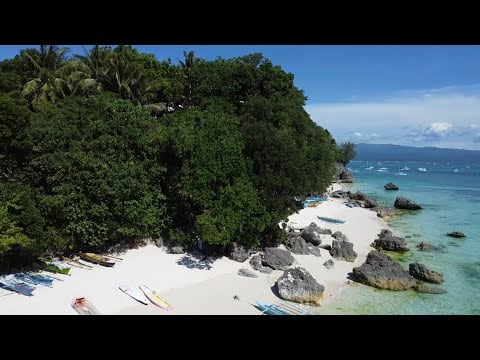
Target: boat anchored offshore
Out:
[422,169]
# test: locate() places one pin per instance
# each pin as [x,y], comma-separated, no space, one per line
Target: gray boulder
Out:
[329,264]
[327,247]
[247,273]
[176,250]
[277,259]
[456,234]
[381,271]
[404,203]
[298,285]
[314,250]
[421,272]
[385,213]
[338,194]
[358,196]
[386,241]
[338,235]
[370,203]
[312,233]
[296,244]
[256,264]
[238,252]
[429,289]
[390,186]
[423,246]
[343,250]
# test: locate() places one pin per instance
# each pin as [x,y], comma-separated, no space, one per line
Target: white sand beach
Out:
[194,286]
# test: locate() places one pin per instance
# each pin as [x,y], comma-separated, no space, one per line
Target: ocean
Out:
[450,196]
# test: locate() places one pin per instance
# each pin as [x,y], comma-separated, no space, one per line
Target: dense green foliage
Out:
[347,152]
[113,146]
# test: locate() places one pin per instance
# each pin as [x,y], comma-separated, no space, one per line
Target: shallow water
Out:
[450,201]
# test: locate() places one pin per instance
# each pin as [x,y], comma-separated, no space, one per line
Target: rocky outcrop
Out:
[176,250]
[314,250]
[406,204]
[360,196]
[343,250]
[338,235]
[256,263]
[386,241]
[312,233]
[429,289]
[277,259]
[342,174]
[385,213]
[329,264]
[423,246]
[381,271]
[238,252]
[247,273]
[456,234]
[298,285]
[390,186]
[421,272]
[296,244]
[370,203]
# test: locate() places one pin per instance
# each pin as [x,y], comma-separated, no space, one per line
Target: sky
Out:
[419,95]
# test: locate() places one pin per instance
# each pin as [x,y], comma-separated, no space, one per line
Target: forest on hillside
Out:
[113,145]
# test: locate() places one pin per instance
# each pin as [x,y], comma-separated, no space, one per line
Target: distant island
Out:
[385,152]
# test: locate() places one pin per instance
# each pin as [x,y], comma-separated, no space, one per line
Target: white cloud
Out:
[437,116]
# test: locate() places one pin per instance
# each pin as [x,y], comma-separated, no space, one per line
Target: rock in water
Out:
[238,252]
[329,264]
[429,289]
[381,271]
[425,246]
[298,285]
[247,273]
[456,234]
[277,259]
[386,241]
[343,250]
[390,186]
[421,272]
[404,203]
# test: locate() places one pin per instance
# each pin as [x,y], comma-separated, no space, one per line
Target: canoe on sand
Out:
[155,299]
[96,259]
[134,293]
[84,307]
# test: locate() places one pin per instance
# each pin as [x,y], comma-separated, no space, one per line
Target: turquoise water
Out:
[450,201]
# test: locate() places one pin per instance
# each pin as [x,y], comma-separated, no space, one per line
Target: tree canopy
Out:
[114,145]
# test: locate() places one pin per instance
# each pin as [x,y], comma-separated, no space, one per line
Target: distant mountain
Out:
[383,152]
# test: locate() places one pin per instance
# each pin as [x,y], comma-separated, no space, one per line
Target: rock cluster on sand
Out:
[312,233]
[390,186]
[386,241]
[238,252]
[456,234]
[367,202]
[298,285]
[297,245]
[256,263]
[329,264]
[421,272]
[342,174]
[406,204]
[381,271]
[342,249]
[277,259]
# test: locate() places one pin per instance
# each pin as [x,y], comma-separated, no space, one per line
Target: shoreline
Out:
[194,286]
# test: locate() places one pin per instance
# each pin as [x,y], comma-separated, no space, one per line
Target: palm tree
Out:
[188,67]
[46,83]
[97,60]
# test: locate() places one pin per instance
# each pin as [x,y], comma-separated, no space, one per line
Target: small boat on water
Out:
[134,293]
[331,220]
[280,309]
[406,168]
[455,171]
[96,259]
[84,307]
[155,299]
[422,169]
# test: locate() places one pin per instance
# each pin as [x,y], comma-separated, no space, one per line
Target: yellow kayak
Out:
[155,299]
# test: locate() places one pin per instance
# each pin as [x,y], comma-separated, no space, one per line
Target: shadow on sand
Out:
[192,261]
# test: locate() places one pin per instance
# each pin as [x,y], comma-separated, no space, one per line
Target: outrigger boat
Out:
[280,309]
[331,220]
[96,259]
